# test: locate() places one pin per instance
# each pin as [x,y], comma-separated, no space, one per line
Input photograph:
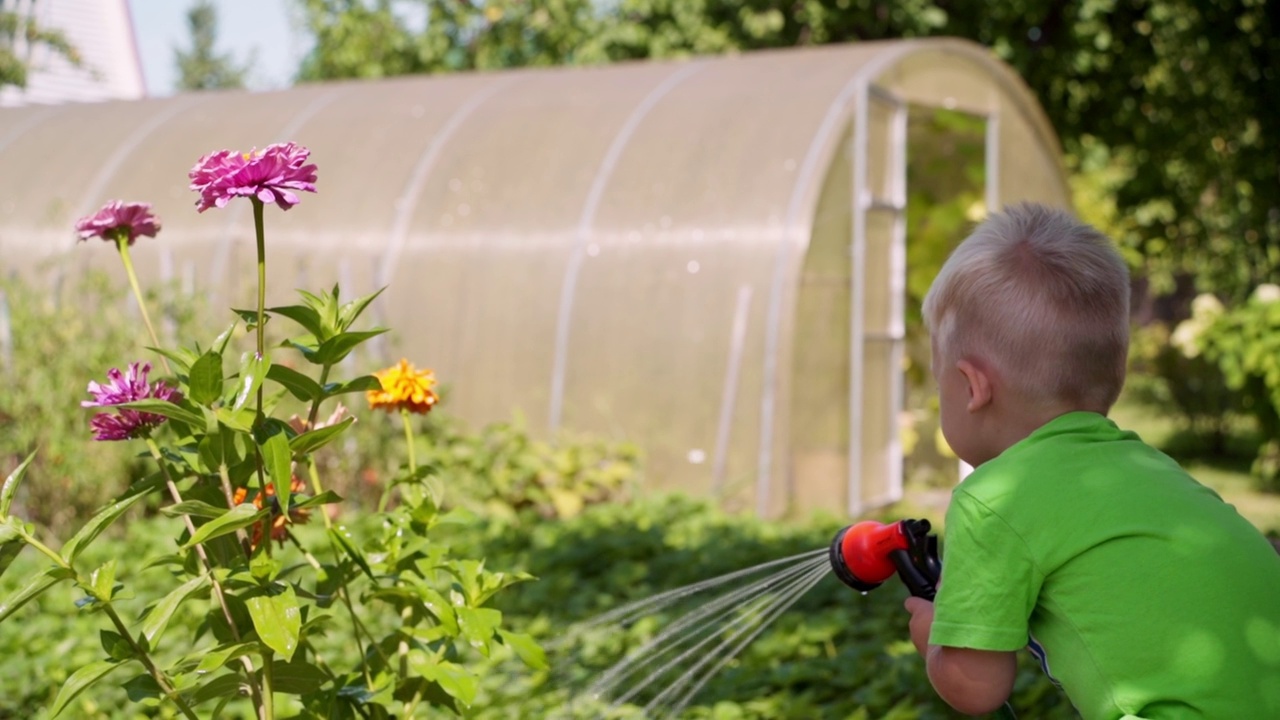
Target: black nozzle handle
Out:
[918,566]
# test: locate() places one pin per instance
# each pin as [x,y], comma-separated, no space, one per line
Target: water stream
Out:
[727,613]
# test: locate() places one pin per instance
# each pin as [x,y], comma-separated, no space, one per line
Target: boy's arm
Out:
[973,682]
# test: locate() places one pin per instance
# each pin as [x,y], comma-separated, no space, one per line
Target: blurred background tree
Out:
[201,67]
[20,36]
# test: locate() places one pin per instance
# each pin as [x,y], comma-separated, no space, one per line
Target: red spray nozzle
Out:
[860,553]
[866,554]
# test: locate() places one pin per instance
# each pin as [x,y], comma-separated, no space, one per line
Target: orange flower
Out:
[404,387]
[278,530]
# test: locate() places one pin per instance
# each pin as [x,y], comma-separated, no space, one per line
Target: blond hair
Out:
[1045,299]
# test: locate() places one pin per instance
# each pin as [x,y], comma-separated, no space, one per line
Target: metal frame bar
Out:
[864,201]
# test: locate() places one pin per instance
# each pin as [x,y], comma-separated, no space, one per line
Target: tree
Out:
[1168,105]
[201,67]
[20,35]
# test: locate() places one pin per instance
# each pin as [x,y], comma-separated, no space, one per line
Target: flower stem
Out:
[122,243]
[163,681]
[261,235]
[408,439]
[143,657]
[218,592]
[268,697]
[260,232]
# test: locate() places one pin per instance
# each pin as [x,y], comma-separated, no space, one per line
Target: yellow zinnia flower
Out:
[404,387]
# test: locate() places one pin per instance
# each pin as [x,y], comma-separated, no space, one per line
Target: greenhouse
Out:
[704,257]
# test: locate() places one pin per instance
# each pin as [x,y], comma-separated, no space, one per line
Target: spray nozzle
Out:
[866,554]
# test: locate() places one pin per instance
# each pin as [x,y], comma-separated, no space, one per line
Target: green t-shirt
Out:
[1141,591]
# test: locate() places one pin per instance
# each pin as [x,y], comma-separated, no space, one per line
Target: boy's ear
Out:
[979,383]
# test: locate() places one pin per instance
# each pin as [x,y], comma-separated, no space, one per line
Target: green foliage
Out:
[835,654]
[56,348]
[503,471]
[20,34]
[201,67]
[1243,341]
[1166,104]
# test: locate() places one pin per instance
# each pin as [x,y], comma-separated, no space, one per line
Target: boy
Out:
[1142,594]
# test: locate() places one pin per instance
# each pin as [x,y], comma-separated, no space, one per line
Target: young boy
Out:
[1140,591]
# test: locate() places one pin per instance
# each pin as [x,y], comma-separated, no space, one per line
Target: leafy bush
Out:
[1244,342]
[409,617]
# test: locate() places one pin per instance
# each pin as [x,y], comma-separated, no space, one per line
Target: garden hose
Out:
[865,555]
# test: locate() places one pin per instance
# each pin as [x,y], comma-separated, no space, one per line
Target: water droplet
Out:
[863,593]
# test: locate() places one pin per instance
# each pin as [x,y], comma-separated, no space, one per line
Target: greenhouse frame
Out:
[705,257]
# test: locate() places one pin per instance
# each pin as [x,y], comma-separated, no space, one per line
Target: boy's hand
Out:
[921,621]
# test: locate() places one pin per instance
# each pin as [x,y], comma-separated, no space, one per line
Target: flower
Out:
[118,218]
[270,175]
[124,388]
[404,387]
[279,532]
[1266,293]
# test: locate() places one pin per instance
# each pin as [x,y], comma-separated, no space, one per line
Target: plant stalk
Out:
[218,592]
[161,679]
[122,243]
[261,236]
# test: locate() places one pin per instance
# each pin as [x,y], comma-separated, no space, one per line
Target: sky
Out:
[263,29]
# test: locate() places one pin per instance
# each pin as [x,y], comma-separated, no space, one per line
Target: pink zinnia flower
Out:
[270,175]
[124,388]
[118,218]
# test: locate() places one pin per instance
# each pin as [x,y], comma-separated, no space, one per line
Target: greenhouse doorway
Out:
[909,183]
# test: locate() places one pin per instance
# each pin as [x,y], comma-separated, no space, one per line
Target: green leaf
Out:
[348,313]
[278,460]
[216,658]
[182,357]
[11,542]
[253,369]
[103,580]
[223,686]
[526,647]
[250,318]
[11,484]
[116,647]
[297,677]
[478,626]
[364,383]
[305,316]
[277,620]
[328,497]
[220,343]
[167,409]
[141,687]
[454,679]
[333,350]
[79,681]
[159,616]
[315,439]
[301,386]
[239,420]
[342,536]
[34,587]
[242,515]
[96,525]
[205,379]
[194,508]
